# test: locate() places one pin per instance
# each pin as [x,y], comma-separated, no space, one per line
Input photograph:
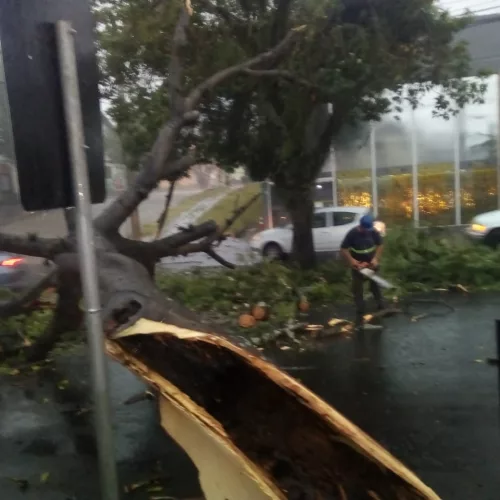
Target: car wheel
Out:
[493,238]
[272,251]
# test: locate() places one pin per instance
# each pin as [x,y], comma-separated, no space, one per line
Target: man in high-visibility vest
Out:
[362,247]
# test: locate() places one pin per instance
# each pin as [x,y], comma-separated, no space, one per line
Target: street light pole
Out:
[498,140]
[373,164]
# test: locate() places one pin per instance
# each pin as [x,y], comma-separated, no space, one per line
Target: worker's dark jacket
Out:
[362,245]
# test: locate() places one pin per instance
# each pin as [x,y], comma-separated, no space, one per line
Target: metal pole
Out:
[498,140]
[269,205]
[373,164]
[333,166]
[88,268]
[497,335]
[414,170]
[456,172]
[333,162]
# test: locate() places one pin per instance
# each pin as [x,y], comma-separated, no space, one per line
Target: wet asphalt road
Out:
[422,389]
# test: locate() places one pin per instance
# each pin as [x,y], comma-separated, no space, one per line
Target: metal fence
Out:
[415,168]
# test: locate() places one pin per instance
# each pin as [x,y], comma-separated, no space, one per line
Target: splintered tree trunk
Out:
[252,431]
[300,206]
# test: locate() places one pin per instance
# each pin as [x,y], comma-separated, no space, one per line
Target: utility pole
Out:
[458,151]
[373,164]
[414,170]
[498,140]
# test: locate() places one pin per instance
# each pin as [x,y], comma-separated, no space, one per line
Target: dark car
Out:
[12,269]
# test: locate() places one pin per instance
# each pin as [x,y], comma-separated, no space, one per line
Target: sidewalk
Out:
[47,442]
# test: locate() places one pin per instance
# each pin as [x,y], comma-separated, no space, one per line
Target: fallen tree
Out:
[252,431]
[272,438]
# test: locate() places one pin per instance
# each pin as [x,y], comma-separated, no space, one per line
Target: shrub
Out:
[413,260]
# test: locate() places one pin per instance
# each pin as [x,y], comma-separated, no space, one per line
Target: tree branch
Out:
[272,56]
[206,244]
[212,253]
[46,248]
[178,168]
[157,165]
[163,215]
[192,239]
[155,250]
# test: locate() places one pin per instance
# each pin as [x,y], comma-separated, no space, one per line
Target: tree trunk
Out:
[300,207]
[252,431]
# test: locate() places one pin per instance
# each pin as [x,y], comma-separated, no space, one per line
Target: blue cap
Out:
[366,222]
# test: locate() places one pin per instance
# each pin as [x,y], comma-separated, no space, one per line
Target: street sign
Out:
[29,49]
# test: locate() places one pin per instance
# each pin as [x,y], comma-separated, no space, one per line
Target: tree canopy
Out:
[359,58]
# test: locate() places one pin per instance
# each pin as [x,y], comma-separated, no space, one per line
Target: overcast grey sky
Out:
[479,7]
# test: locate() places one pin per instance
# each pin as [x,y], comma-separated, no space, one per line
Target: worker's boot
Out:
[358,323]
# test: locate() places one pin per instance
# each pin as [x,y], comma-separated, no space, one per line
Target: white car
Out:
[330,225]
[485,228]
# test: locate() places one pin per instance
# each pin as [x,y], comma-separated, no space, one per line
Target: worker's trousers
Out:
[358,282]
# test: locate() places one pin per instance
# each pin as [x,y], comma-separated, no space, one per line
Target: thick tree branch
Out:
[272,56]
[150,174]
[158,163]
[46,248]
[206,244]
[192,239]
[155,250]
[180,167]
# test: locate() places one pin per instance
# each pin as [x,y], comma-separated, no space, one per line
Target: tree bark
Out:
[67,316]
[263,435]
[300,206]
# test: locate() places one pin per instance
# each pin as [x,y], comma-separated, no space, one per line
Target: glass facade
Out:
[415,168]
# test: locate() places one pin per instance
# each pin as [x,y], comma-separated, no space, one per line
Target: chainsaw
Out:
[372,275]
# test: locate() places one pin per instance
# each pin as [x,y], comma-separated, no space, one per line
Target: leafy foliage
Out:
[415,261]
[29,326]
[420,260]
[279,127]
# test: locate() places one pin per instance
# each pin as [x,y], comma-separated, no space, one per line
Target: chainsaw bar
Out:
[370,274]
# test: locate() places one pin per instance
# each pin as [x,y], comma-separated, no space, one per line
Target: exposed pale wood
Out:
[332,435]
[224,471]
